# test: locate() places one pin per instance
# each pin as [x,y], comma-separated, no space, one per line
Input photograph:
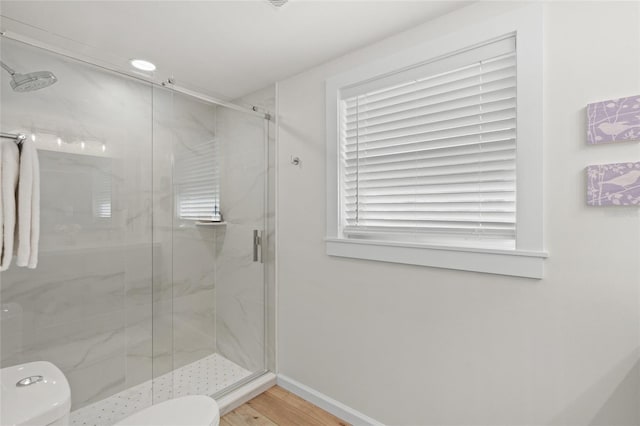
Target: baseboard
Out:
[334,407]
[245,393]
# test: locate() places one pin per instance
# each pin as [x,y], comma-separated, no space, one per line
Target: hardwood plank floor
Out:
[278,407]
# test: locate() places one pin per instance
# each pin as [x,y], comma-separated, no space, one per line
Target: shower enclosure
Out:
[156,246]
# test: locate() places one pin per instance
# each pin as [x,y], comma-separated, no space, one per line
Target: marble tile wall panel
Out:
[162,212]
[91,353]
[138,261]
[113,301]
[184,295]
[241,292]
[240,300]
[194,327]
[88,302]
[67,286]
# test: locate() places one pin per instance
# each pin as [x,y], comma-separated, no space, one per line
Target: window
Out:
[197,183]
[434,156]
[101,195]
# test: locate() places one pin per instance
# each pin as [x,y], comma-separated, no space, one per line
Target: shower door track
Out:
[168,84]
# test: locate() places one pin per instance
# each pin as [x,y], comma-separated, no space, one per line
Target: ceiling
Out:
[224,48]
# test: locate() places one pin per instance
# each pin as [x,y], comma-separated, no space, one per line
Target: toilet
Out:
[194,410]
[38,394]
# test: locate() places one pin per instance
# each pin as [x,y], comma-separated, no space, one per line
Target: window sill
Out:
[516,263]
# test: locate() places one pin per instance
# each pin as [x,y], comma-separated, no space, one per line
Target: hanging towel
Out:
[9,167]
[28,229]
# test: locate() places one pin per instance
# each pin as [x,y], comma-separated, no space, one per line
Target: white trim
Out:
[502,262]
[529,128]
[321,400]
[527,23]
[526,253]
[245,393]
[333,149]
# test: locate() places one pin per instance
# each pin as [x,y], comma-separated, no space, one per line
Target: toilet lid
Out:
[195,410]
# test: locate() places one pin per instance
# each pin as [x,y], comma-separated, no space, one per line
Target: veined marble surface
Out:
[92,130]
[184,285]
[247,149]
[125,291]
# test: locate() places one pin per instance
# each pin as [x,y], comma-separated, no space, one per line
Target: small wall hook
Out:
[295,160]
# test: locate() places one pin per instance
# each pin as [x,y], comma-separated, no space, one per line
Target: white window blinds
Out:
[429,154]
[197,183]
[102,195]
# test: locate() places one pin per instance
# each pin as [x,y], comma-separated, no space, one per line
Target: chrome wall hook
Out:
[295,160]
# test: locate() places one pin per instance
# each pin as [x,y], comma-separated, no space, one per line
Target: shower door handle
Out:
[257,245]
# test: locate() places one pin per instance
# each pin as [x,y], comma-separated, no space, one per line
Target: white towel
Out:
[28,206]
[9,165]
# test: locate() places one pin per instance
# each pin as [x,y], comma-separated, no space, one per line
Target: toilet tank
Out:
[34,394]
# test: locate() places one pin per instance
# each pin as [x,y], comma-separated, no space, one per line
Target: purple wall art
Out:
[615,184]
[616,120]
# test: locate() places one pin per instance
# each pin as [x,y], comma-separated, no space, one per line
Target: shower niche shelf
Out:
[204,223]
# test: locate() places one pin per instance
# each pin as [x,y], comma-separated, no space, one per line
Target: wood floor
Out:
[279,407]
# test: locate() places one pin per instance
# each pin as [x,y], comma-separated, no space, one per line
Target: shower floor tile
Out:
[203,377]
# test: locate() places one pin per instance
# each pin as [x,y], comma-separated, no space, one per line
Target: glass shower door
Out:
[209,218]
[241,252]
[87,306]
[151,279]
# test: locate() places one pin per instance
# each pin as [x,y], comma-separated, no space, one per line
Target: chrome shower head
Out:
[30,81]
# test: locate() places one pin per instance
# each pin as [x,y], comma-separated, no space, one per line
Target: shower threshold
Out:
[207,376]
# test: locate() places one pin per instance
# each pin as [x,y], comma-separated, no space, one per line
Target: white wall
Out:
[417,345]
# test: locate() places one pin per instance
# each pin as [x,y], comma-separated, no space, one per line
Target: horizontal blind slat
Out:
[491,65]
[497,141]
[394,216]
[469,78]
[423,117]
[477,162]
[450,132]
[477,119]
[499,89]
[471,226]
[402,161]
[413,144]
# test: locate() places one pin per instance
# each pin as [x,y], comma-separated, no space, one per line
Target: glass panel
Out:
[87,306]
[153,246]
[163,203]
[209,198]
[240,302]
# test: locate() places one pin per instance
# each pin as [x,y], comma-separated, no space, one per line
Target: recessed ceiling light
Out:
[143,65]
[278,3]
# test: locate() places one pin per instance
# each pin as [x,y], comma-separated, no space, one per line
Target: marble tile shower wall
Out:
[264,99]
[108,283]
[240,284]
[184,284]
[83,308]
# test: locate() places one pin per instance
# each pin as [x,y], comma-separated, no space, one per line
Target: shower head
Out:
[30,81]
